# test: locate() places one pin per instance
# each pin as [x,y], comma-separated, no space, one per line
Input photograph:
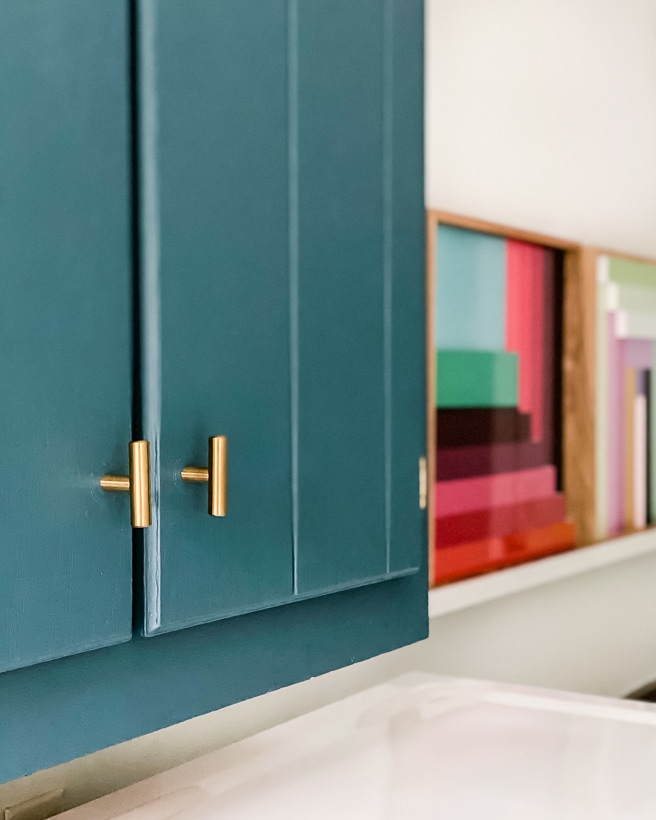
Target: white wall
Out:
[540,114]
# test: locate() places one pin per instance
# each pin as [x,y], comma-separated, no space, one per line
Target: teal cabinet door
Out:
[357,133]
[215,296]
[282,294]
[65,547]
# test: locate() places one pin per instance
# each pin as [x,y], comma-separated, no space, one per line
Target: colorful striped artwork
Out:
[470,494]
[625,472]
[496,493]
[500,520]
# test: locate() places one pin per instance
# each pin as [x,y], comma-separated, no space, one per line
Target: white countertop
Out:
[420,747]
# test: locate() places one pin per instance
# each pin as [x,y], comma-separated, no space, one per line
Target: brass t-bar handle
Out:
[215,474]
[137,483]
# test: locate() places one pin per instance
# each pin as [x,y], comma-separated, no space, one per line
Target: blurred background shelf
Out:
[472,591]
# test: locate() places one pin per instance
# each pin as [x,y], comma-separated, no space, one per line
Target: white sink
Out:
[421,747]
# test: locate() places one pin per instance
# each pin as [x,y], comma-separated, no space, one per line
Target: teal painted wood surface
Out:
[359,259]
[99,698]
[65,583]
[71,707]
[408,539]
[344,274]
[476,378]
[471,290]
[297,225]
[635,274]
[215,295]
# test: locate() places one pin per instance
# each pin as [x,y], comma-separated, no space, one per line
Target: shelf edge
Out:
[473,591]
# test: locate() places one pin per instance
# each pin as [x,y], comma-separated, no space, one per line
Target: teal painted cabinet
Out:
[273,231]
[258,226]
[65,355]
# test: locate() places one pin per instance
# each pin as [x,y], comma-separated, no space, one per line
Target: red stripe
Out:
[499,521]
[476,557]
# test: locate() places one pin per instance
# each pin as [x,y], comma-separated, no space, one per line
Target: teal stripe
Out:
[471,290]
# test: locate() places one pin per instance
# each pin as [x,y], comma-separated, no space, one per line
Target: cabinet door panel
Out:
[65,546]
[213,89]
[360,291]
[282,218]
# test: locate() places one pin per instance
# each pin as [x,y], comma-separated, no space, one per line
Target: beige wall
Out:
[542,114]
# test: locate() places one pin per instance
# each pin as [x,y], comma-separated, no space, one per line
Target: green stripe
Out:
[476,378]
[628,272]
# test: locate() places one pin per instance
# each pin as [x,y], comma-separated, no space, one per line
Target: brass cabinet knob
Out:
[215,474]
[137,483]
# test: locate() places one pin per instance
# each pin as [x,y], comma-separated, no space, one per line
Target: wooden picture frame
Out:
[578,367]
[581,375]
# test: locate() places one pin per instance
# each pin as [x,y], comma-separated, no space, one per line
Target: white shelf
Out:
[463,594]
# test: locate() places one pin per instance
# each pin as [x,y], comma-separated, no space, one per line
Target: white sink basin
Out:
[421,747]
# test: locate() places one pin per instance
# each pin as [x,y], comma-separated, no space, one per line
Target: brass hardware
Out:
[140,483]
[215,474]
[195,474]
[115,483]
[137,483]
[423,484]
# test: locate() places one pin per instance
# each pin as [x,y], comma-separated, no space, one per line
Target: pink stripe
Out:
[616,518]
[468,494]
[517,297]
[525,289]
[637,353]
